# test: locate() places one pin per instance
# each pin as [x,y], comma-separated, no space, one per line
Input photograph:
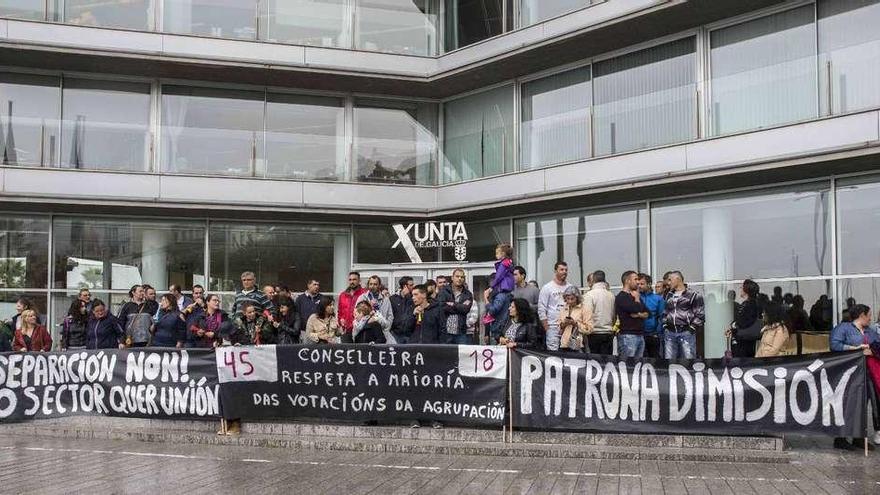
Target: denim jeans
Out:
[629,345]
[463,339]
[552,338]
[680,345]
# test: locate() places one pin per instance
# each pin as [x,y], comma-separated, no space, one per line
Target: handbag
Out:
[751,332]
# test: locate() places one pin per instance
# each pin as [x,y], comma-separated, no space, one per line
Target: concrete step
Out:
[447,441]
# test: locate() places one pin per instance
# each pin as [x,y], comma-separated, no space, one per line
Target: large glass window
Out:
[213,131]
[647,98]
[31,106]
[126,14]
[284,254]
[407,27]
[305,137]
[24,252]
[106,125]
[613,241]
[309,22]
[534,11]
[849,47]
[395,141]
[859,291]
[749,235]
[23,9]
[469,21]
[114,254]
[223,19]
[556,119]
[764,71]
[858,225]
[478,135]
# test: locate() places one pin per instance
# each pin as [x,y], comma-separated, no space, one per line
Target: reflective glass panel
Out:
[612,241]
[647,98]
[23,9]
[279,254]
[116,253]
[534,11]
[309,22]
[858,223]
[478,135]
[764,71]
[24,252]
[756,235]
[106,125]
[126,14]
[211,131]
[408,27]
[849,50]
[469,21]
[395,141]
[305,137]
[218,18]
[31,107]
[556,119]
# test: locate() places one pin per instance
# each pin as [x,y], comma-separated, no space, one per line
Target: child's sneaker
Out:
[488,319]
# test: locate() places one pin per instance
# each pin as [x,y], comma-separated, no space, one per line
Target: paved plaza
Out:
[45,465]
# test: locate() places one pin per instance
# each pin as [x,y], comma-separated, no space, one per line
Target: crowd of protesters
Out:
[659,320]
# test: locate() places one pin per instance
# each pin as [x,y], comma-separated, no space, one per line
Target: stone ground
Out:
[47,465]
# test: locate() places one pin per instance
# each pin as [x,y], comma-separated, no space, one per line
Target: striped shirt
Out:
[255,297]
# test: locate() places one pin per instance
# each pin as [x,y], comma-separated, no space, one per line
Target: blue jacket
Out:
[656,305]
[847,334]
[105,333]
[170,329]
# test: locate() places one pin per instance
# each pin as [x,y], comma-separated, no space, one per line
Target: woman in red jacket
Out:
[31,336]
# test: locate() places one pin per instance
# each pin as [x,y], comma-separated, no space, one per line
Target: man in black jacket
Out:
[427,319]
[457,301]
[402,308]
[307,302]
[631,312]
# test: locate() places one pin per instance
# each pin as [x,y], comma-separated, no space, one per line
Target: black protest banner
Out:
[447,383]
[143,383]
[820,393]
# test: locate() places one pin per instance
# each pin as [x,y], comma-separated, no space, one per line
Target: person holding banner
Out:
[103,330]
[322,327]
[427,319]
[31,336]
[775,332]
[522,331]
[206,328]
[855,335]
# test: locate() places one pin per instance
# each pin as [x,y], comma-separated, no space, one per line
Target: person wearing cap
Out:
[575,321]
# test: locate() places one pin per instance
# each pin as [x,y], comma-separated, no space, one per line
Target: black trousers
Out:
[743,348]
[654,346]
[346,339]
[601,343]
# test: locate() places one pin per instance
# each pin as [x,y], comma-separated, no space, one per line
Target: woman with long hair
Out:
[73,329]
[31,336]
[169,329]
[745,331]
[322,326]
[521,330]
[775,332]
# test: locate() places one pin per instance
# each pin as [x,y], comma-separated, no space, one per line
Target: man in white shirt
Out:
[600,301]
[550,303]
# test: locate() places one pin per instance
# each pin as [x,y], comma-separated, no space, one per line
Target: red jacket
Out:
[345,308]
[40,340]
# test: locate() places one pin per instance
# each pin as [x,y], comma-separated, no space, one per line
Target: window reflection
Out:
[213,131]
[407,27]
[849,50]
[127,14]
[646,98]
[305,137]
[748,235]
[478,135]
[279,254]
[116,254]
[556,119]
[29,110]
[24,255]
[309,22]
[534,11]
[764,71]
[106,125]
[395,141]
[218,18]
[858,204]
[470,21]
[23,9]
